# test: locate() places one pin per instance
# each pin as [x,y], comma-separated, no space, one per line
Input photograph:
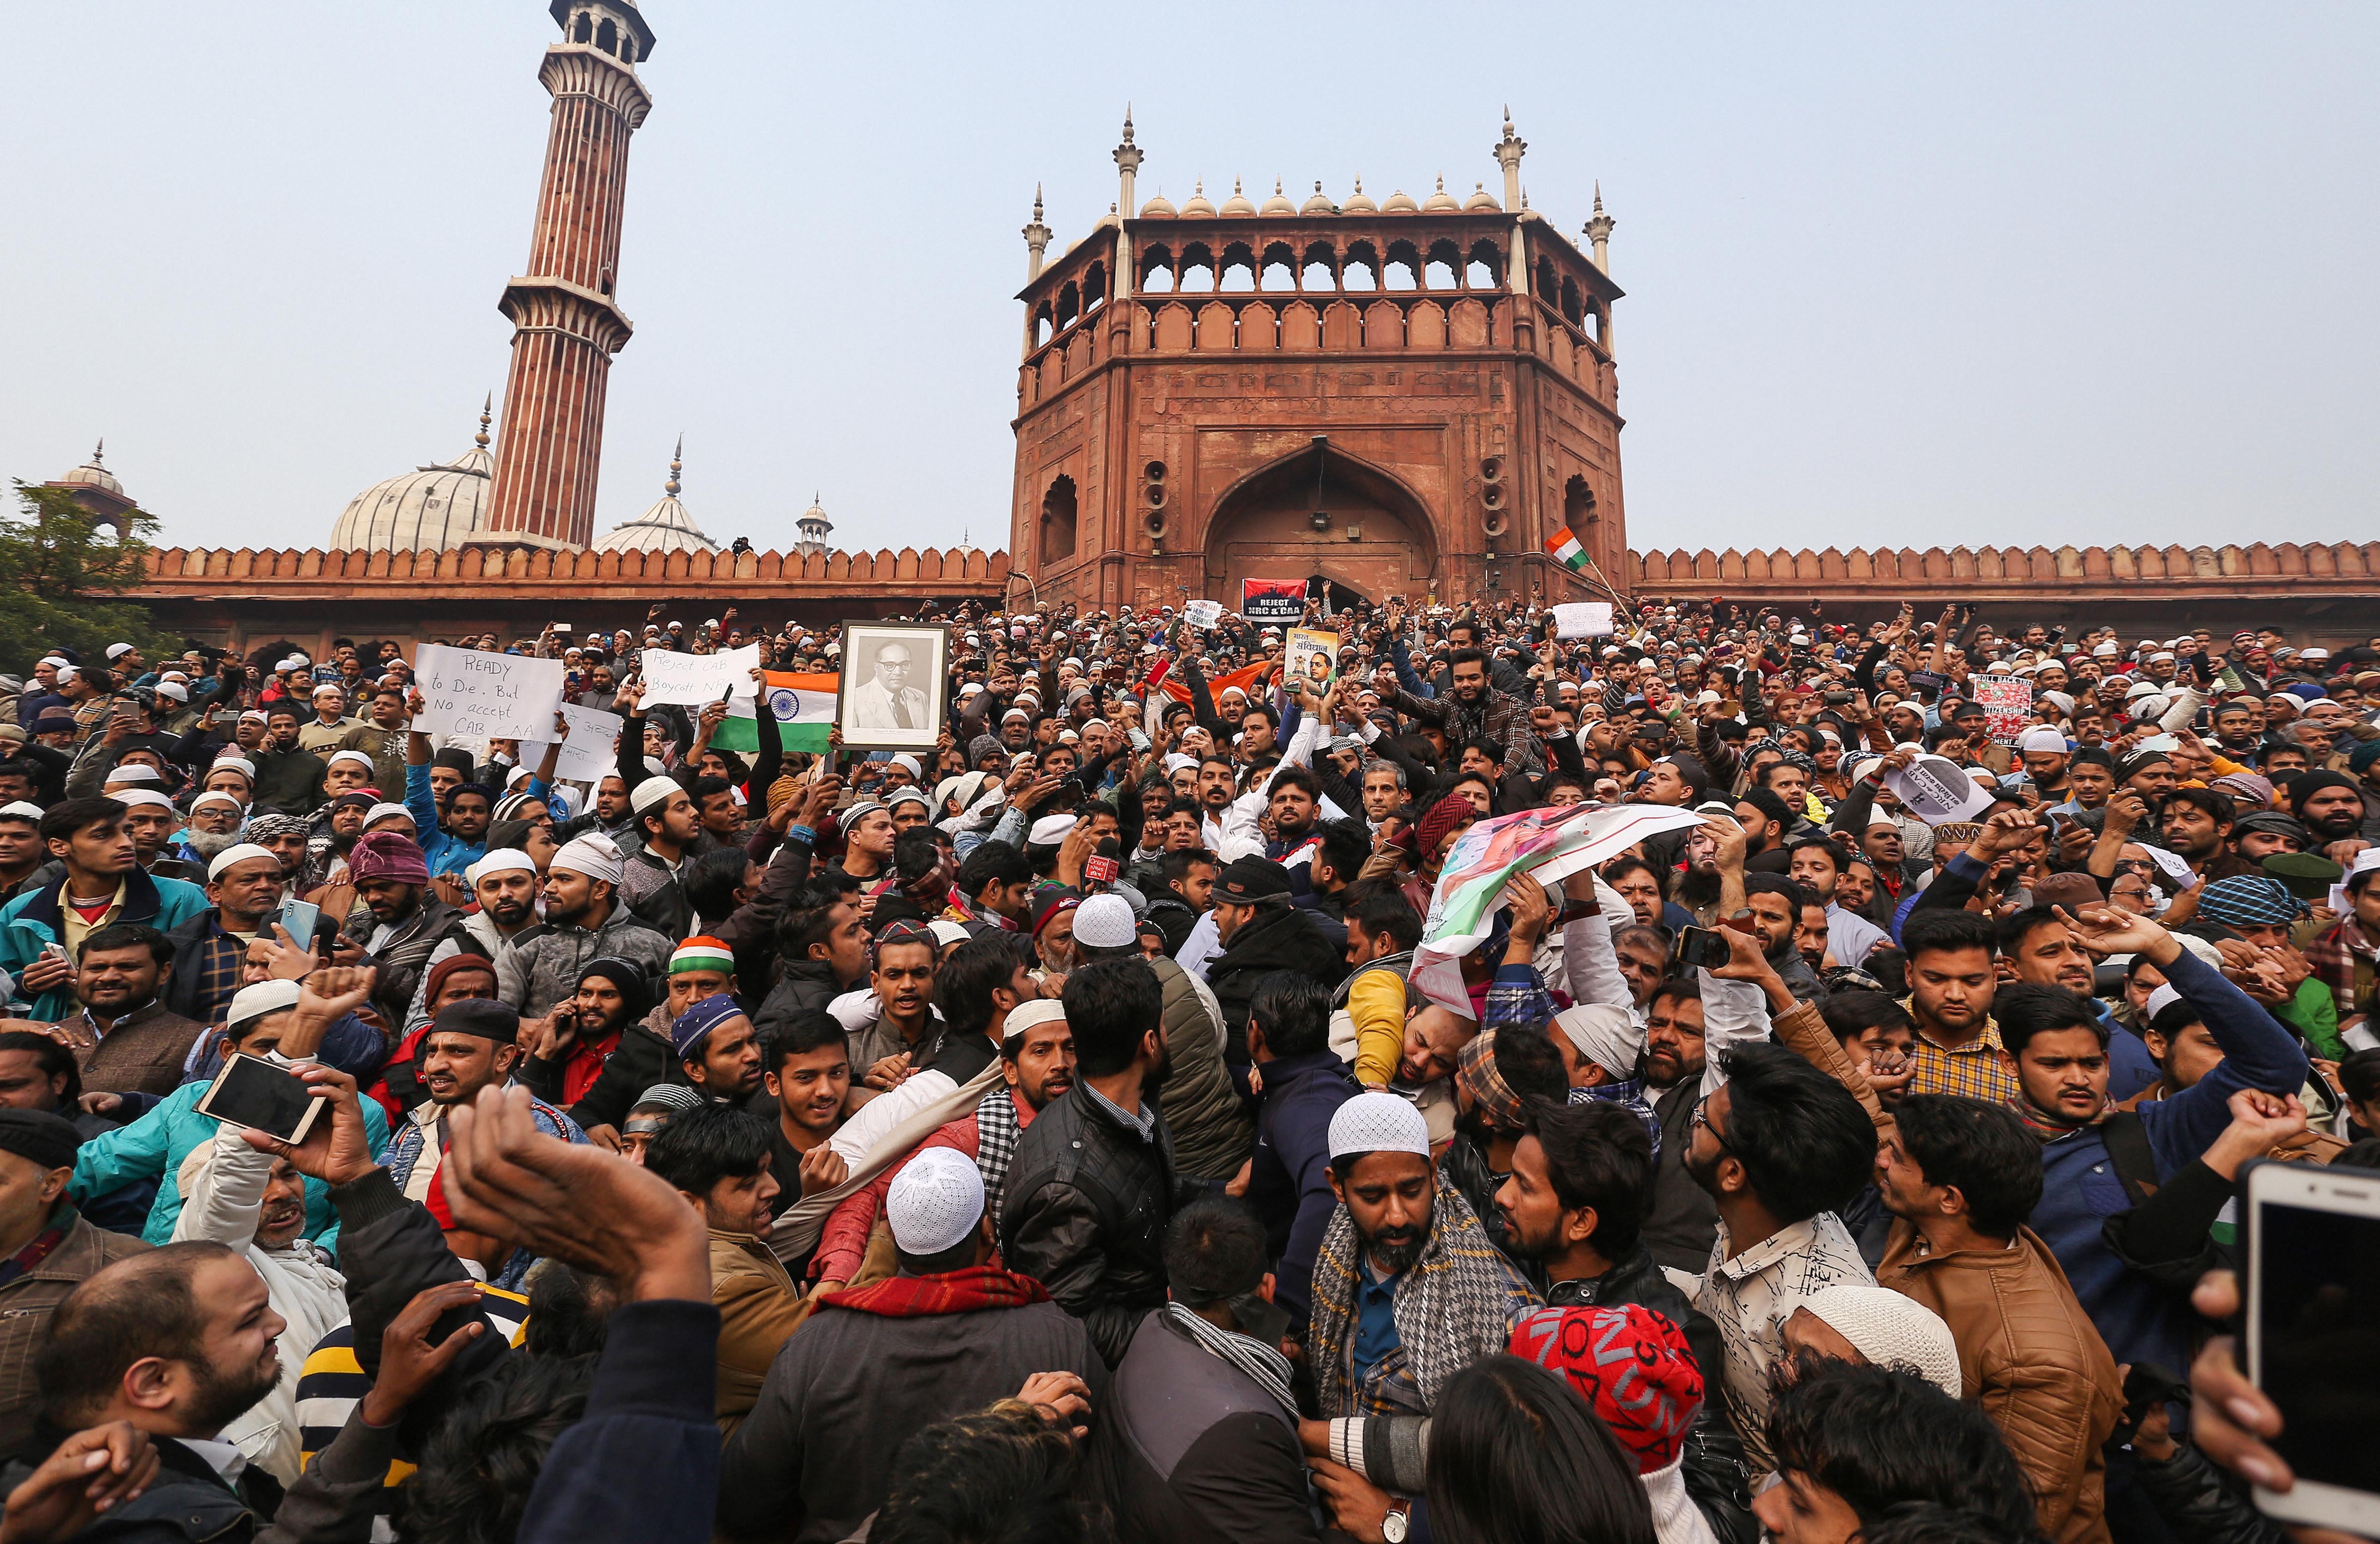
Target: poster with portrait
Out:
[1312,659]
[896,681]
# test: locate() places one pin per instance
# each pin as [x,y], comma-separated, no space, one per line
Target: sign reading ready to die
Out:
[502,697]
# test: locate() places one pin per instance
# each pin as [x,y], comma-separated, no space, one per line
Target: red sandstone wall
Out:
[2137,573]
[180,572]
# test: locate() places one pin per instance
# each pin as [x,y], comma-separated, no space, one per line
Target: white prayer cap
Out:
[1177,761]
[239,764]
[1378,1121]
[1024,1015]
[117,651]
[238,853]
[1049,830]
[2159,1000]
[69,672]
[135,798]
[216,796]
[380,812]
[265,997]
[909,795]
[55,661]
[26,809]
[947,933]
[513,779]
[935,1201]
[1880,818]
[593,854]
[503,860]
[910,762]
[1104,921]
[1603,1034]
[2040,738]
[358,757]
[2341,899]
[652,793]
[135,772]
[1890,1329]
[175,690]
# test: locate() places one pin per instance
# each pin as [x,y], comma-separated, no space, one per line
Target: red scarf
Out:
[951,1292]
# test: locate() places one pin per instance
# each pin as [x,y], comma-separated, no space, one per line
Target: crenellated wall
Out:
[190,573]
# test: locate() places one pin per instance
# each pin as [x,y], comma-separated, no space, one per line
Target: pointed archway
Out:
[1373,538]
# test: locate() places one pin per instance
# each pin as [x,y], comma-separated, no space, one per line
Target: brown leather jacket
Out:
[2026,1349]
[25,1307]
[758,1307]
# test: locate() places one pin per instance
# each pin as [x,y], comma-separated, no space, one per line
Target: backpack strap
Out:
[2126,1136]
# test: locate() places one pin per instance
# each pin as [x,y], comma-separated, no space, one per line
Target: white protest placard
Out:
[1583,619]
[1204,614]
[590,753]
[504,697]
[1936,792]
[693,679]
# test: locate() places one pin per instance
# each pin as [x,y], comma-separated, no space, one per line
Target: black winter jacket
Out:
[808,986]
[1277,938]
[1083,1212]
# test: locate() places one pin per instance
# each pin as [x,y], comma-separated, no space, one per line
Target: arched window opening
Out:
[607,37]
[1578,510]
[1095,287]
[1058,520]
[1316,276]
[1070,305]
[1197,272]
[1280,268]
[584,28]
[1041,328]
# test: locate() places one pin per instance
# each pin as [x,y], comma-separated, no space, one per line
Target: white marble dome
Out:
[431,507]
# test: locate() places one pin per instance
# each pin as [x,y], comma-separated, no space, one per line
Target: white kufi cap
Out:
[1377,1121]
[935,1201]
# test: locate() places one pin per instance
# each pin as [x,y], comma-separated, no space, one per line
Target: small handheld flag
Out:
[1565,547]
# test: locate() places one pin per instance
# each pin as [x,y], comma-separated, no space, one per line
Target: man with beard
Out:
[1474,710]
[255,1202]
[2329,805]
[1094,1182]
[243,884]
[176,1343]
[504,885]
[583,920]
[563,1054]
[2039,948]
[1038,1066]
[1683,1220]
[124,1039]
[98,884]
[668,827]
[644,1058]
[2195,824]
[1776,904]
[1407,1290]
[718,1159]
[289,777]
[335,830]
[1577,1205]
[1262,931]
[406,918]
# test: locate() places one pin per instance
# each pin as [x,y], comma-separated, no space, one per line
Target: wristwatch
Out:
[1392,1526]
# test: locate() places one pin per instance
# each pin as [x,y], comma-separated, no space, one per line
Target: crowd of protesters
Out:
[1043,1137]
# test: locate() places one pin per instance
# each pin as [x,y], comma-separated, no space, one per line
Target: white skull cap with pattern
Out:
[651,792]
[1377,1121]
[935,1202]
[1889,1330]
[1024,1015]
[1104,921]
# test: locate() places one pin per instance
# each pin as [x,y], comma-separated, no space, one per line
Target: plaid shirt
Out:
[1976,1070]
[2336,954]
[217,976]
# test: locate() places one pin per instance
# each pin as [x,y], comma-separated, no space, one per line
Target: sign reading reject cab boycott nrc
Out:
[504,697]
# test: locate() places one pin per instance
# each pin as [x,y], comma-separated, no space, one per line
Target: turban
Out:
[384,855]
[593,854]
[695,1025]
[1603,1035]
[1631,1364]
[238,853]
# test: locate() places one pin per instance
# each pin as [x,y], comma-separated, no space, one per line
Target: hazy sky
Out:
[1897,275]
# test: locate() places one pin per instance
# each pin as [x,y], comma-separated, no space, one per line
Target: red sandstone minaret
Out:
[567,323]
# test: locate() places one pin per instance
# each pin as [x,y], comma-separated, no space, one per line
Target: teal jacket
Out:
[154,1146]
[31,923]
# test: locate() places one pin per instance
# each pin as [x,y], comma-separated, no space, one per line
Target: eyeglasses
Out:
[1701,1118]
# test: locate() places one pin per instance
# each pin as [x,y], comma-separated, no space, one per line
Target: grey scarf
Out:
[1260,1361]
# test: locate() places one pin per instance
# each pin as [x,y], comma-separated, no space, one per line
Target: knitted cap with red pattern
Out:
[1631,1364]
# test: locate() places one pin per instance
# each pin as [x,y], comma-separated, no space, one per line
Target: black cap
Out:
[1249,881]
[478,1016]
[40,1139]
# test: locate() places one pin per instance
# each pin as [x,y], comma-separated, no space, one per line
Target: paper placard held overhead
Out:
[1583,619]
[1936,792]
[591,752]
[693,679]
[1204,614]
[502,696]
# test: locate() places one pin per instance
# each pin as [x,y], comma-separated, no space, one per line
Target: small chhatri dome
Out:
[1481,199]
[1238,203]
[1358,203]
[1198,208]
[93,473]
[815,527]
[434,506]
[1401,202]
[1158,208]
[667,527]
[1278,204]
[1320,203]
[1441,200]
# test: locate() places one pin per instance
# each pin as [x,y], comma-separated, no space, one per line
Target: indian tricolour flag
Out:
[1563,545]
[1549,843]
[804,710]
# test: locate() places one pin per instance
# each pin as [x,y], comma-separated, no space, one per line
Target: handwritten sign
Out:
[2006,702]
[1936,792]
[697,678]
[590,753]
[504,697]
[1204,614]
[1583,619]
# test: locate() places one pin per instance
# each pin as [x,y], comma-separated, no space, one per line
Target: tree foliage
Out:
[58,573]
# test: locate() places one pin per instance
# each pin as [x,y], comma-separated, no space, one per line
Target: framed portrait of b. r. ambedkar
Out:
[895,680]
